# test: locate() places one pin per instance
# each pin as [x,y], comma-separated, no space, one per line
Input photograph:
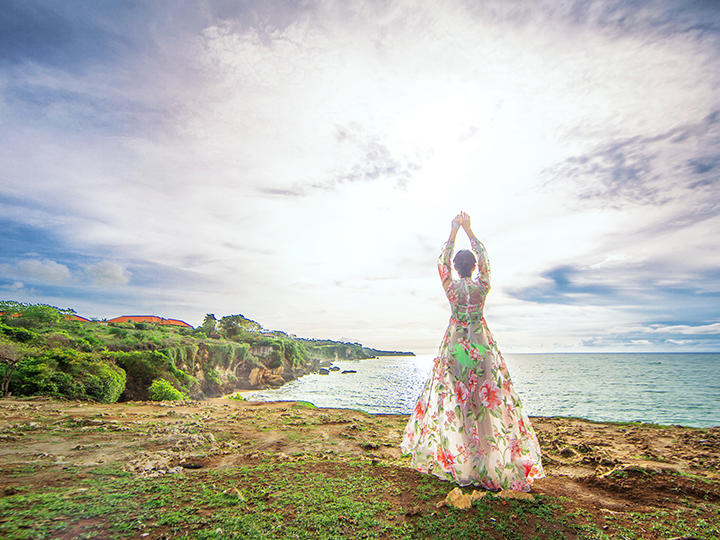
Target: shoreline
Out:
[71,468]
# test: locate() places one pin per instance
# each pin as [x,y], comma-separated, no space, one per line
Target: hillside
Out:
[47,351]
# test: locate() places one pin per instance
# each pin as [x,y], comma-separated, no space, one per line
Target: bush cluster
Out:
[162,390]
[70,374]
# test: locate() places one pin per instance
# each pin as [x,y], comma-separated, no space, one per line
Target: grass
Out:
[303,499]
[303,404]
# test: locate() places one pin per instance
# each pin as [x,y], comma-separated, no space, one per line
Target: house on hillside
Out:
[152,319]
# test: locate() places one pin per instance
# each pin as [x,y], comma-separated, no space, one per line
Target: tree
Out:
[233,325]
[9,358]
[209,325]
[32,315]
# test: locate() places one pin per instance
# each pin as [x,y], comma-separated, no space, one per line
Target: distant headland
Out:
[45,350]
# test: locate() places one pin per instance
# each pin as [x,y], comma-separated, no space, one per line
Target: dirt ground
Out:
[598,471]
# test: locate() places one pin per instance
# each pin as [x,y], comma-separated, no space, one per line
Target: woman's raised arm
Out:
[444,267]
[483,264]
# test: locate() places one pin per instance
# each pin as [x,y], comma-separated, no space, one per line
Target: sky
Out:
[300,163]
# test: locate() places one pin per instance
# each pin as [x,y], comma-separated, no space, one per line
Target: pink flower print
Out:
[444,271]
[472,382]
[534,472]
[442,395]
[464,343]
[446,459]
[507,387]
[452,296]
[424,432]
[461,392]
[420,409]
[490,484]
[519,485]
[521,427]
[490,395]
[462,450]
[410,436]
[515,448]
[503,368]
[475,354]
[474,435]
[510,414]
[450,415]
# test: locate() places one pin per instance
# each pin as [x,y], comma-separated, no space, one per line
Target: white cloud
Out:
[108,274]
[337,147]
[37,271]
[713,328]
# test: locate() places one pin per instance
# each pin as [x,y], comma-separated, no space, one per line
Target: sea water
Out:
[663,388]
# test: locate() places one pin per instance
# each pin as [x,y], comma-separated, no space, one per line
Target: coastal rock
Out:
[513,494]
[323,371]
[457,499]
[334,368]
[349,371]
[259,376]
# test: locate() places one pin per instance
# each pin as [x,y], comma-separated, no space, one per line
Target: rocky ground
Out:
[232,469]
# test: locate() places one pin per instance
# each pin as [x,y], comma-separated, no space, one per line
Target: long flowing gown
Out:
[468,425]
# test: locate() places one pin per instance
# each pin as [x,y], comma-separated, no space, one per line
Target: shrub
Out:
[118,332]
[70,374]
[162,390]
[59,339]
[143,367]
[36,315]
[213,376]
[275,359]
[18,334]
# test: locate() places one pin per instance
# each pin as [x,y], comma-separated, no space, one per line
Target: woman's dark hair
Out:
[464,262]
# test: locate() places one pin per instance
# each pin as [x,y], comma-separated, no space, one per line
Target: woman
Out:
[468,425]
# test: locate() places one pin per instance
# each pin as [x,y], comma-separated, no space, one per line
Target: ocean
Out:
[662,388]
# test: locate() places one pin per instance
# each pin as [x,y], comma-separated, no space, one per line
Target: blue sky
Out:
[300,163]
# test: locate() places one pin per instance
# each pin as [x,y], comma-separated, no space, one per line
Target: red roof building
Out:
[153,319]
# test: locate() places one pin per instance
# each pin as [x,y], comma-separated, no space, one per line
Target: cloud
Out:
[37,271]
[215,156]
[108,274]
[653,169]
[685,329]
[568,284]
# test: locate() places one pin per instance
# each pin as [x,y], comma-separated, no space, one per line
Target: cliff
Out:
[46,351]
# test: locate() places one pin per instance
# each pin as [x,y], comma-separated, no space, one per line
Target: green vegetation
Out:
[43,351]
[330,349]
[162,390]
[352,499]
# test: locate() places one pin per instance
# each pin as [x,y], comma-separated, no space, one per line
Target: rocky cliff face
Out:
[211,369]
[263,366]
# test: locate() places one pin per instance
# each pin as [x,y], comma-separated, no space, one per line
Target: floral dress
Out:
[468,425]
